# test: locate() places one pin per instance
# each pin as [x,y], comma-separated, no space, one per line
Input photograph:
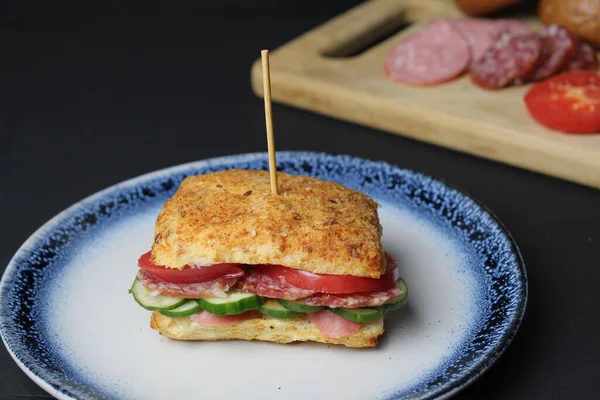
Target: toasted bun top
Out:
[232,217]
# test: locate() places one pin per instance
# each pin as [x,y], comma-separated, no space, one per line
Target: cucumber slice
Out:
[234,303]
[150,302]
[398,301]
[362,315]
[272,308]
[185,310]
[298,307]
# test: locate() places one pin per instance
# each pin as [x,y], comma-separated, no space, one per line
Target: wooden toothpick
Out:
[269,120]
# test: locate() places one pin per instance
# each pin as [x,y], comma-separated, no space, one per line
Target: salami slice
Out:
[214,288]
[436,55]
[584,58]
[353,300]
[263,285]
[506,62]
[558,48]
[480,34]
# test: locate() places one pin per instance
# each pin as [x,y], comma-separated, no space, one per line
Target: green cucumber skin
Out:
[298,307]
[351,314]
[247,304]
[394,306]
[144,306]
[399,301]
[150,307]
[176,313]
[274,309]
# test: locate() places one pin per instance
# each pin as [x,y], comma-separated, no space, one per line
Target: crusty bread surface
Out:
[265,328]
[232,217]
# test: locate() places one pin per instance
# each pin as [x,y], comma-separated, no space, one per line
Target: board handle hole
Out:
[356,33]
[363,41]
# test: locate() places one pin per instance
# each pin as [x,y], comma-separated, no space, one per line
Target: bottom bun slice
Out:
[264,328]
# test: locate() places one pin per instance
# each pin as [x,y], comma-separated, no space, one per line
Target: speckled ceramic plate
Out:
[69,323]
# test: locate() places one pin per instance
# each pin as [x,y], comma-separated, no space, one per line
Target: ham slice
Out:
[332,325]
[207,319]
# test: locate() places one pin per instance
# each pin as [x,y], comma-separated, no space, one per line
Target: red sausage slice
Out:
[215,288]
[506,62]
[480,34]
[558,47]
[436,55]
[585,58]
[264,285]
[353,300]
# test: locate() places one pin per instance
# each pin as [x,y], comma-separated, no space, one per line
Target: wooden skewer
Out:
[269,120]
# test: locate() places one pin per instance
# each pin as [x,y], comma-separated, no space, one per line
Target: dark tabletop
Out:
[92,96]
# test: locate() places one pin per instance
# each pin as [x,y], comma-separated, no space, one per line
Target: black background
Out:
[92,95]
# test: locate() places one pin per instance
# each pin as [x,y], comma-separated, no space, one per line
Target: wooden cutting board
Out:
[321,72]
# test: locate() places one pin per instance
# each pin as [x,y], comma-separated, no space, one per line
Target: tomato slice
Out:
[568,102]
[334,283]
[190,274]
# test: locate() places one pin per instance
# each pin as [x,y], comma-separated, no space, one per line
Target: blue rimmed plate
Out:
[69,323]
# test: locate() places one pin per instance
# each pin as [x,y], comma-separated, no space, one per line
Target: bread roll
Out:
[265,328]
[581,17]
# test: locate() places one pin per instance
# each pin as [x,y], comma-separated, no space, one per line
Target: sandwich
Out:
[230,260]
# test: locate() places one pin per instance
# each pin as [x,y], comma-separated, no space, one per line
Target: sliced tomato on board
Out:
[333,283]
[569,102]
[190,274]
